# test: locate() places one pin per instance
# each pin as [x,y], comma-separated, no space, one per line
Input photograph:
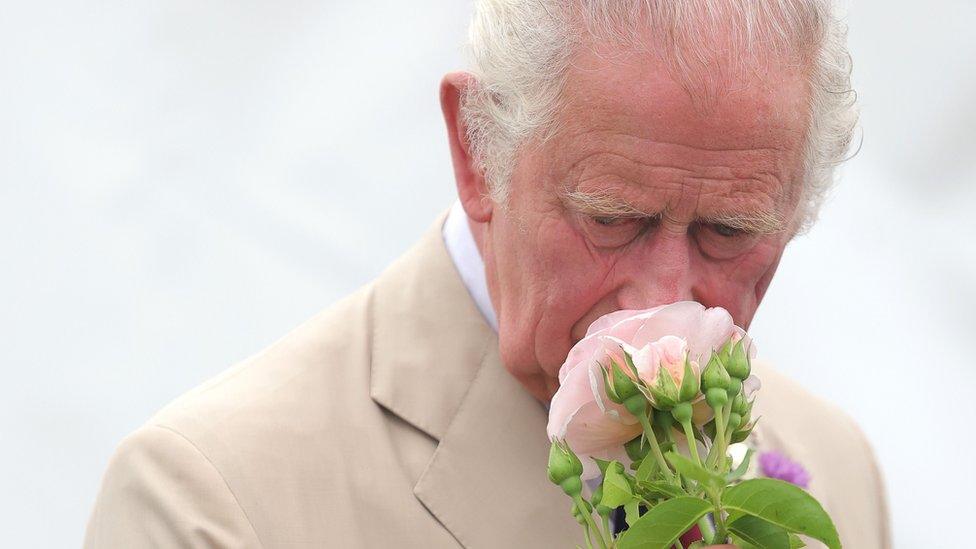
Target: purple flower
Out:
[776,465]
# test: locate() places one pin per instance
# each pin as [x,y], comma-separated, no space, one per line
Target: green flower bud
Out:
[690,384]
[682,412]
[576,512]
[714,375]
[738,364]
[739,404]
[637,448]
[716,397]
[563,464]
[620,386]
[664,391]
[601,510]
[735,420]
[572,486]
[735,387]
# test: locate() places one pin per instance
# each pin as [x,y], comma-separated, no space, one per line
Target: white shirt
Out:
[467,259]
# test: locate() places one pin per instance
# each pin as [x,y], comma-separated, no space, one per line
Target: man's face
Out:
[643,197]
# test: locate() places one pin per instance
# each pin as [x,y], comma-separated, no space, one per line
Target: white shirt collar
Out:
[467,259]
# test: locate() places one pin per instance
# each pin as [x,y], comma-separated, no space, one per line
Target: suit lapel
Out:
[487,480]
[435,364]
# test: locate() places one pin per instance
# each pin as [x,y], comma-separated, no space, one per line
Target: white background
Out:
[181,183]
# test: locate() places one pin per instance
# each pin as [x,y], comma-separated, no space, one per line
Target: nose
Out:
[657,273]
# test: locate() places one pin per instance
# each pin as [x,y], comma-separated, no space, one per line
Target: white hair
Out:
[521,51]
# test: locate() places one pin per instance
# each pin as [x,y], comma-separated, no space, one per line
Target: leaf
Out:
[760,534]
[783,504]
[796,542]
[632,511]
[602,464]
[616,489]
[696,472]
[742,468]
[664,523]
[647,470]
[660,488]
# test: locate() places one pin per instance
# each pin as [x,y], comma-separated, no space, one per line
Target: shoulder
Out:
[160,491]
[322,359]
[250,436]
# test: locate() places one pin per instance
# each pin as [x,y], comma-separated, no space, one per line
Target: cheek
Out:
[577,286]
[736,284]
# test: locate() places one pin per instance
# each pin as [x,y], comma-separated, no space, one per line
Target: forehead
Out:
[625,116]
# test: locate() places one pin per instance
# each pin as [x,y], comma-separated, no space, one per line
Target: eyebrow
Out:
[604,203]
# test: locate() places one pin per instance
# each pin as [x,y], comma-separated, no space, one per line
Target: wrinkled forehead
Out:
[628,92]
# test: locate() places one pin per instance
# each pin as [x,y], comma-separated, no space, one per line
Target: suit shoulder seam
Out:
[216,470]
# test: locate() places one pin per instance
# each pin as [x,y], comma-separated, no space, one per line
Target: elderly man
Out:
[608,154]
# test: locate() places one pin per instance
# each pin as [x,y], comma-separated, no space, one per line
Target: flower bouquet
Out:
[652,401]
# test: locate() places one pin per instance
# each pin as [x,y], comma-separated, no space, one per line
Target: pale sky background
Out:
[182,183]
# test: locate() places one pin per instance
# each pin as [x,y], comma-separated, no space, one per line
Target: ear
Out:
[471,185]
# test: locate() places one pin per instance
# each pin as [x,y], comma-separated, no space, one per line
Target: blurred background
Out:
[182,183]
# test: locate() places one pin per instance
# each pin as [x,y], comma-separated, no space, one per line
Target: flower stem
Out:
[718,448]
[708,532]
[655,447]
[692,443]
[588,517]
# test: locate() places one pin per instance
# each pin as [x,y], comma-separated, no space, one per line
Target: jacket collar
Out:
[435,363]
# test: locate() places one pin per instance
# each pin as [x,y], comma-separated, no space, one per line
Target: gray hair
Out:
[521,51]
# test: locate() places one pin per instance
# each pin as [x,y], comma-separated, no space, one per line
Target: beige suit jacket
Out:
[388,420]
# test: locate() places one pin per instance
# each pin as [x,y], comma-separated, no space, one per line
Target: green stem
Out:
[720,533]
[718,448]
[586,536]
[692,443]
[655,447]
[607,530]
[708,533]
[588,516]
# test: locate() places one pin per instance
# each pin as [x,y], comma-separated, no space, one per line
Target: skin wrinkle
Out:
[632,140]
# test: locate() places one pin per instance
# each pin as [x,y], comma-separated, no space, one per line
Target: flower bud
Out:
[620,386]
[564,468]
[576,512]
[682,412]
[664,391]
[601,510]
[690,384]
[735,420]
[716,397]
[735,387]
[738,364]
[714,375]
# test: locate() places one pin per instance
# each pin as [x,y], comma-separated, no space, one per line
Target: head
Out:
[615,154]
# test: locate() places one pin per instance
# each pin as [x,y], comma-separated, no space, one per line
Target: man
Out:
[608,155]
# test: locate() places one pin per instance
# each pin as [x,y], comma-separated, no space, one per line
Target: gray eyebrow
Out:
[605,203]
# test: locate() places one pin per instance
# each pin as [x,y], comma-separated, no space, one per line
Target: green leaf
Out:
[664,523]
[742,468]
[632,511]
[616,489]
[659,488]
[760,534]
[692,470]
[783,504]
[602,464]
[647,469]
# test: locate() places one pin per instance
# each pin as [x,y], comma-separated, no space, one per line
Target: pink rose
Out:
[580,412]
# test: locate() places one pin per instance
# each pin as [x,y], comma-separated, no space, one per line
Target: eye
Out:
[726,231]
[721,241]
[612,231]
